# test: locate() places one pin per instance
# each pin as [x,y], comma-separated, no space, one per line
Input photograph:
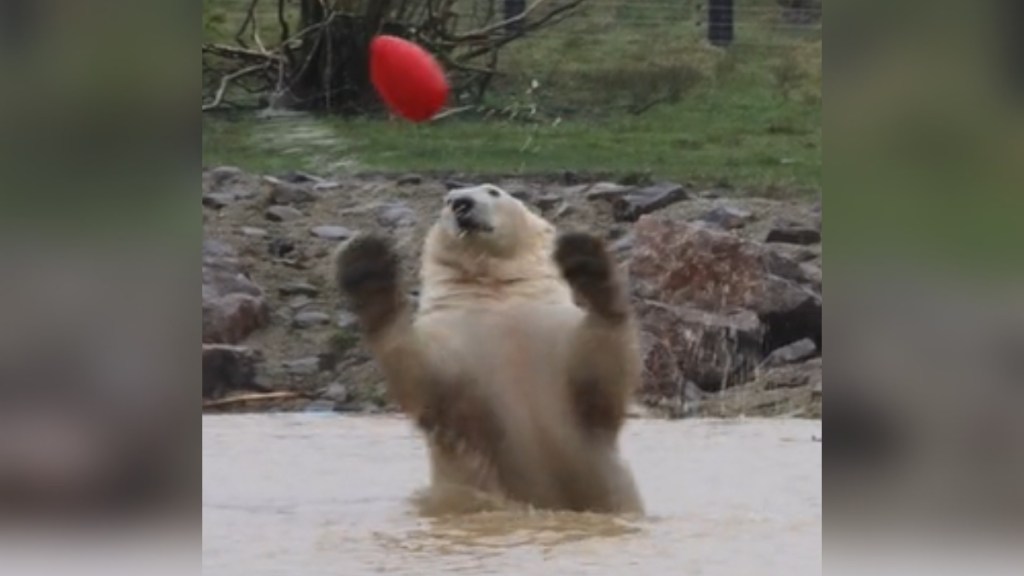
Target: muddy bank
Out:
[727,288]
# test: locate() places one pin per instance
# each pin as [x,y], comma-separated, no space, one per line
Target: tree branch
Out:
[228,79]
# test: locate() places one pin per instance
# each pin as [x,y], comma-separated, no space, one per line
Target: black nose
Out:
[462,205]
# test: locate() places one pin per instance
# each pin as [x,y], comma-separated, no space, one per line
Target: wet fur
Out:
[520,392]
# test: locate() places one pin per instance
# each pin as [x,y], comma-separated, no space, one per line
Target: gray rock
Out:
[253,232]
[282,192]
[233,306]
[607,191]
[793,233]
[805,375]
[792,353]
[299,302]
[299,288]
[218,200]
[395,215]
[547,201]
[310,319]
[282,214]
[227,184]
[337,392]
[631,206]
[332,232]
[346,320]
[280,247]
[228,368]
[727,217]
[301,366]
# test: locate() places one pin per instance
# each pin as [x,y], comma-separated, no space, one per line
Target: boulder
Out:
[714,351]
[691,265]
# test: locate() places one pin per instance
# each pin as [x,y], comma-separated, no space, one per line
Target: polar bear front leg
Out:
[604,363]
[367,274]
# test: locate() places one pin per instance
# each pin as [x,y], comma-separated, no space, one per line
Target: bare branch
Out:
[218,98]
[250,18]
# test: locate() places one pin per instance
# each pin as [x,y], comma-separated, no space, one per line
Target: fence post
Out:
[720,22]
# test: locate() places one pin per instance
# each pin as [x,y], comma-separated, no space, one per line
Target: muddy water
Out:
[305,495]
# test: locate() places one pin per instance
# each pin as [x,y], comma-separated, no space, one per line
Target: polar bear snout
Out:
[461,206]
[469,213]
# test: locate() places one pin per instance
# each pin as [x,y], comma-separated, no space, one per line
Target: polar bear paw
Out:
[367,273]
[590,271]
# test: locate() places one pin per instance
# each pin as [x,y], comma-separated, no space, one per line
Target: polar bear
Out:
[520,360]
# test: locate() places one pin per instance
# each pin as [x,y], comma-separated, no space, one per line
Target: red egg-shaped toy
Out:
[407,77]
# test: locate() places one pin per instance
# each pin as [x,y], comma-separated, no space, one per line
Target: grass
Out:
[749,116]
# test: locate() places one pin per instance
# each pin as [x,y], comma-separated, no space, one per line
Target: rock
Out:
[226,184]
[281,192]
[301,366]
[410,180]
[280,247]
[662,378]
[296,177]
[791,353]
[805,375]
[299,302]
[346,320]
[299,288]
[622,247]
[217,200]
[547,202]
[282,214]
[797,252]
[336,392]
[228,368]
[683,264]
[793,233]
[727,217]
[332,232]
[310,319]
[231,318]
[632,205]
[395,215]
[222,173]
[715,351]
[233,305]
[253,232]
[564,210]
[813,275]
[607,191]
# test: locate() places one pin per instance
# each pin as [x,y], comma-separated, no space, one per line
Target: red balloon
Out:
[407,77]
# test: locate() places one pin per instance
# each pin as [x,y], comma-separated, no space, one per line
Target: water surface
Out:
[305,495]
